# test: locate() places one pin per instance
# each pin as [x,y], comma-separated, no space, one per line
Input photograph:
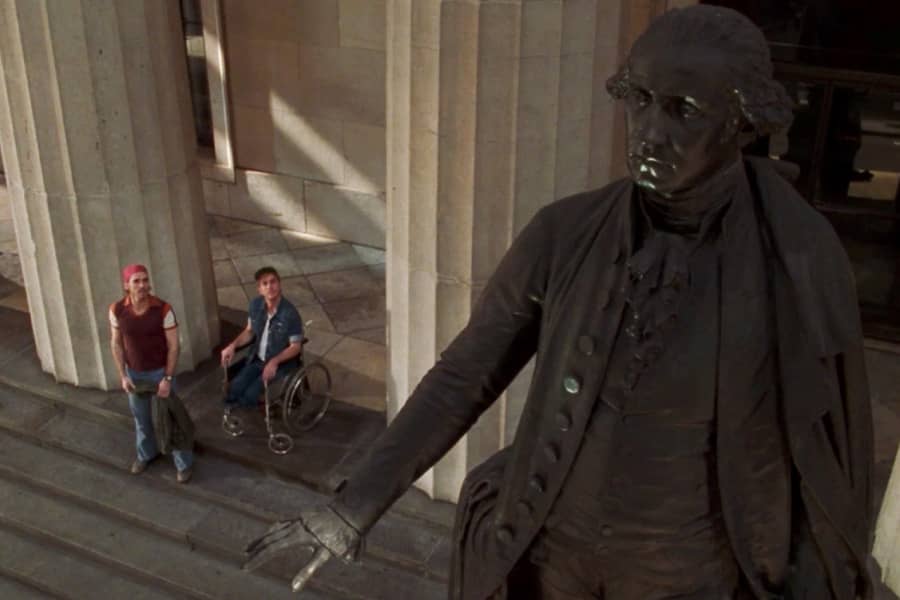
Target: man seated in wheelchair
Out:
[275,329]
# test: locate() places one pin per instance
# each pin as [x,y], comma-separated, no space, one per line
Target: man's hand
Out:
[127,384]
[227,355]
[319,529]
[164,388]
[269,371]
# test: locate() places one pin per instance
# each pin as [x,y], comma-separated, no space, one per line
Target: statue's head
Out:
[695,82]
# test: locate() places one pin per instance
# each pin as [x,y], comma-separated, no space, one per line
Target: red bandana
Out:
[130,270]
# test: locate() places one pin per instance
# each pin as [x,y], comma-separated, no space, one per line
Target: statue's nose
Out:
[650,129]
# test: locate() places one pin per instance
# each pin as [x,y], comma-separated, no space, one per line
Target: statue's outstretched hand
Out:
[320,529]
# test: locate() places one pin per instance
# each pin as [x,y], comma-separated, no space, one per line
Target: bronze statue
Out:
[698,426]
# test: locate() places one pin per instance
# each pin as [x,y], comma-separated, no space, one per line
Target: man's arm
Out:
[165,386]
[172,350]
[118,352]
[288,353]
[295,345]
[244,337]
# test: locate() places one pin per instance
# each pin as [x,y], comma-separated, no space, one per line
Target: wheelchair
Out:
[302,397]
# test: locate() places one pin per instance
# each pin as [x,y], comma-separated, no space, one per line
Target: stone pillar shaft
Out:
[494,110]
[97,137]
[887,531]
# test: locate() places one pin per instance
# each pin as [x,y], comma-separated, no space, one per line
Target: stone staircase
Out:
[75,524]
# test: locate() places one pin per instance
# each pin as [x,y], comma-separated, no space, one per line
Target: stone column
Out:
[217,76]
[887,531]
[97,138]
[494,110]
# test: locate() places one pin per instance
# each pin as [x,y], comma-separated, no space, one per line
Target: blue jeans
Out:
[143,421]
[247,385]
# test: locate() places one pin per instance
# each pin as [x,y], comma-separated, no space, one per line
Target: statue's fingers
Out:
[256,544]
[274,533]
[263,554]
[266,552]
[271,540]
[302,578]
[282,525]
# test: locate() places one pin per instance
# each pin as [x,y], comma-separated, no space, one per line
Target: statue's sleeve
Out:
[852,380]
[499,339]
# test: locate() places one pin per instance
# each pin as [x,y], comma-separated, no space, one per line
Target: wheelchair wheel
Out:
[306,398]
[232,425]
[280,443]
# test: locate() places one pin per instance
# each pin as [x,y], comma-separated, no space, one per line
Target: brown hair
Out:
[262,272]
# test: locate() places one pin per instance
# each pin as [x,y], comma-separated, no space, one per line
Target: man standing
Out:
[275,327]
[145,348]
[698,425]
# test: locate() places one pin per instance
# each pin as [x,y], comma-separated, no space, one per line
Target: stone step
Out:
[319,460]
[14,588]
[48,570]
[398,540]
[223,508]
[126,548]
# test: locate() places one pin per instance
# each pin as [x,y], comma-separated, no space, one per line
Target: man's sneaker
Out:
[138,466]
[185,476]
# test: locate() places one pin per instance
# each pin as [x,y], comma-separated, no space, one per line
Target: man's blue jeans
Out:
[143,421]
[247,385]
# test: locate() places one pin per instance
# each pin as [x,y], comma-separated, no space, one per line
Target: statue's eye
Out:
[639,97]
[687,109]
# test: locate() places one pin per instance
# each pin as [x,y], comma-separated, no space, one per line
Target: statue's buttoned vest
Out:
[640,504]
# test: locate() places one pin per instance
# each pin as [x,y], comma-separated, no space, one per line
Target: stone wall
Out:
[307,91]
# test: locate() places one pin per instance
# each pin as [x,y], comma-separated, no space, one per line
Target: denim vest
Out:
[286,327]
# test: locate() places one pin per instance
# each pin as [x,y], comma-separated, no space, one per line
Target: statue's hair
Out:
[763,100]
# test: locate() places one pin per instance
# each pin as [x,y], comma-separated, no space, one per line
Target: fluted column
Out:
[887,531]
[98,144]
[494,110]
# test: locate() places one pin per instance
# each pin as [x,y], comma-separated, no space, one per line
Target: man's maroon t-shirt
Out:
[144,335]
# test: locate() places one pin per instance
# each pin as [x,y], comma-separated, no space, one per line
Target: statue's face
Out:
[683,118]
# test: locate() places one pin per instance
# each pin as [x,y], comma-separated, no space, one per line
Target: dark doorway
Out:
[840,61]
[192,23]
